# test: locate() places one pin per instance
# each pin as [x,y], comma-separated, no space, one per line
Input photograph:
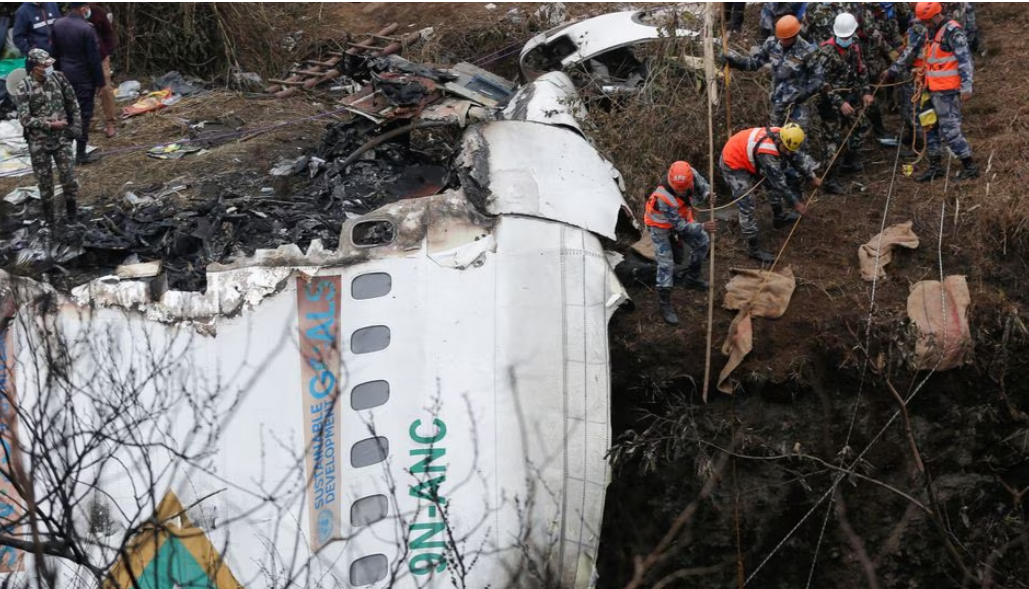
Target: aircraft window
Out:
[370,339]
[369,451]
[372,233]
[369,394]
[371,286]
[368,510]
[369,570]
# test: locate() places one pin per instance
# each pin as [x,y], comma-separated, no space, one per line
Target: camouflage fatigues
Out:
[42,102]
[796,77]
[670,244]
[782,176]
[846,81]
[948,104]
[820,17]
[880,36]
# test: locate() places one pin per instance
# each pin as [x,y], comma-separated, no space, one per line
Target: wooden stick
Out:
[709,69]
[725,76]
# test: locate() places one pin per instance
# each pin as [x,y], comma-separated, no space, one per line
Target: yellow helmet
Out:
[792,136]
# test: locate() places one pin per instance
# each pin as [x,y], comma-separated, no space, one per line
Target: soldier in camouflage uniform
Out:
[669,218]
[949,73]
[964,14]
[881,42]
[795,74]
[769,153]
[49,114]
[820,16]
[845,91]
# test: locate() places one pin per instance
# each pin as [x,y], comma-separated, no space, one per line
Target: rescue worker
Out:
[765,152]
[669,218]
[948,77]
[77,49]
[49,114]
[880,42]
[796,76]
[846,88]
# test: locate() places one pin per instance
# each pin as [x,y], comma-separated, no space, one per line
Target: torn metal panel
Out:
[577,42]
[550,99]
[479,85]
[524,168]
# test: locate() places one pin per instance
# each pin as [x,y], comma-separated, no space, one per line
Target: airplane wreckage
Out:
[423,403]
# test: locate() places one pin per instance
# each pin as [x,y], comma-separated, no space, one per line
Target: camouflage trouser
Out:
[42,167]
[740,182]
[948,124]
[791,113]
[835,127]
[664,250]
[907,109]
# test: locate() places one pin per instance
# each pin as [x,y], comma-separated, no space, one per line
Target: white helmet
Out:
[845,25]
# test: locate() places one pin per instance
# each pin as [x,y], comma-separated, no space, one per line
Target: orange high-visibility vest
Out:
[742,149]
[655,218]
[942,66]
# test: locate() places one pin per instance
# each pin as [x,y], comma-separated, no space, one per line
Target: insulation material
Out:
[878,252]
[754,293]
[940,312]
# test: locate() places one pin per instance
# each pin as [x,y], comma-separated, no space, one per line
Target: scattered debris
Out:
[128,90]
[246,81]
[177,84]
[151,102]
[172,151]
[23,193]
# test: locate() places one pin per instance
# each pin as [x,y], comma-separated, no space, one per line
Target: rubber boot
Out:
[971,170]
[48,212]
[832,185]
[664,300]
[934,171]
[693,279]
[781,218]
[851,163]
[70,208]
[754,251]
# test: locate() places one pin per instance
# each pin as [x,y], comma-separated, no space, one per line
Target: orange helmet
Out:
[927,10]
[680,176]
[787,27]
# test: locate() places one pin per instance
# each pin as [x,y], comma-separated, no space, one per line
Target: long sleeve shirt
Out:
[42,102]
[796,75]
[77,50]
[33,26]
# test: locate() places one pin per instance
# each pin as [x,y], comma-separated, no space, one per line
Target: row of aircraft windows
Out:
[366,511]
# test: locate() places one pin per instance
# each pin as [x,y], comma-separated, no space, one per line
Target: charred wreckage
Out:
[418,337]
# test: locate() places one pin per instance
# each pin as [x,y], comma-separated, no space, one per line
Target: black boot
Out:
[851,163]
[781,218]
[934,171]
[84,159]
[971,170]
[833,186]
[754,251]
[664,300]
[693,280]
[48,212]
[70,208]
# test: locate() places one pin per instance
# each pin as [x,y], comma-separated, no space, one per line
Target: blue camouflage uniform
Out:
[682,234]
[947,104]
[796,77]
[783,174]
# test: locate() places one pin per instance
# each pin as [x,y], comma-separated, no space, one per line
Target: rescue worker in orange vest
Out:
[761,151]
[948,77]
[669,217]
